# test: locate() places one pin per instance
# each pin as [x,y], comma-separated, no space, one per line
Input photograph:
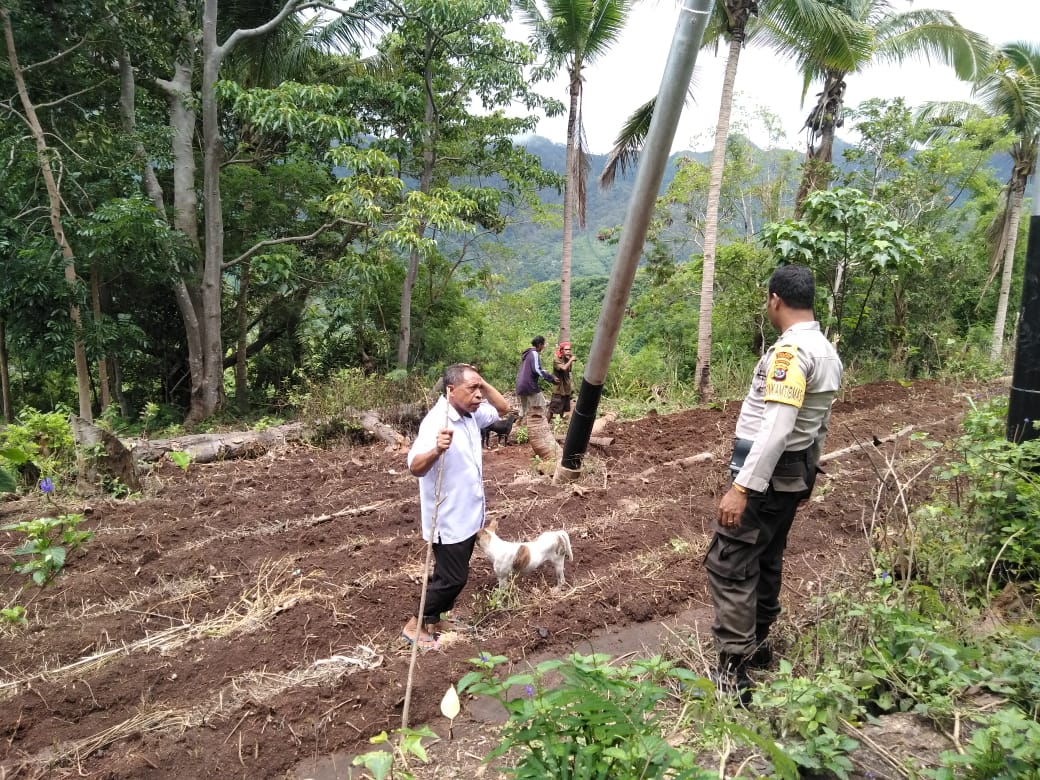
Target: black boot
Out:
[731,677]
[762,658]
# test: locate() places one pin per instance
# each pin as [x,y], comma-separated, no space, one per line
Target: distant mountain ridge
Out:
[530,252]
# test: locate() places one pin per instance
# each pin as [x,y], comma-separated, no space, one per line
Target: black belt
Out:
[741,447]
[794,456]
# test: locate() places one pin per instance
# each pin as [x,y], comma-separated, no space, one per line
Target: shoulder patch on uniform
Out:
[785,382]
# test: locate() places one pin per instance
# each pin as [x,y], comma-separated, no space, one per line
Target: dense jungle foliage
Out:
[360,203]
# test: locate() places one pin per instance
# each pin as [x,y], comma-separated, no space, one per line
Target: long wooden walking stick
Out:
[426,569]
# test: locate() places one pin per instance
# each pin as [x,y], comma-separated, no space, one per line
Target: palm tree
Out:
[1009,89]
[573,34]
[891,37]
[730,21]
[736,14]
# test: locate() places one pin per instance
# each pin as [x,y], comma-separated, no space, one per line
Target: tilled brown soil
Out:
[244,617]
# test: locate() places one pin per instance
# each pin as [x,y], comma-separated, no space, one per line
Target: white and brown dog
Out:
[509,558]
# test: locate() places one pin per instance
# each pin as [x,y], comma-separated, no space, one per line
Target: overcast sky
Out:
[630,74]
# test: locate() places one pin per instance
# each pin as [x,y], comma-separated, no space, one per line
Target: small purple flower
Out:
[529,691]
[484,658]
[885,576]
[47,485]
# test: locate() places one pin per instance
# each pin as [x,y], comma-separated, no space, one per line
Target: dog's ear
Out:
[492,526]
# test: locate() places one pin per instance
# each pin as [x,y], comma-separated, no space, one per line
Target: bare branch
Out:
[290,240]
[56,57]
[291,6]
[61,100]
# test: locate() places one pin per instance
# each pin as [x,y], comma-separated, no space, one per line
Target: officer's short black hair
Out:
[795,286]
[538,341]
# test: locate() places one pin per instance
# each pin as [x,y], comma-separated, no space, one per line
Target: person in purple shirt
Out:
[528,389]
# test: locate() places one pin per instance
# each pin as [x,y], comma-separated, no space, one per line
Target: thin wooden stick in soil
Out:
[426,571]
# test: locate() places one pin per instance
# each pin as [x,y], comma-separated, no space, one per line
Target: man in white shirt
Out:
[447,458]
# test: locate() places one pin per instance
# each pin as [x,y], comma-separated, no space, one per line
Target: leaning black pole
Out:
[689,31]
[1024,403]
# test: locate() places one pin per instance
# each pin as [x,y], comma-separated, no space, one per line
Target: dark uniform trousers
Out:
[745,564]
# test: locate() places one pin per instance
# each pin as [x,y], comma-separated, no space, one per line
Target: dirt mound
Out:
[245,616]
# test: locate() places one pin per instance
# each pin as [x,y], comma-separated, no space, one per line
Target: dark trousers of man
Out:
[450,572]
[745,564]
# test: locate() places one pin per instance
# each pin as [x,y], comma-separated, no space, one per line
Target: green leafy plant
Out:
[266,422]
[10,458]
[497,600]
[155,418]
[1006,746]
[806,715]
[600,721]
[115,487]
[354,389]
[41,438]
[13,616]
[48,542]
[182,460]
[409,743]
[520,434]
[989,521]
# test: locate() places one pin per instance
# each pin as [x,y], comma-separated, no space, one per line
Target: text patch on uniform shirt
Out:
[785,382]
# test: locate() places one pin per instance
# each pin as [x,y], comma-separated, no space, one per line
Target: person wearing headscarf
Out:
[563,361]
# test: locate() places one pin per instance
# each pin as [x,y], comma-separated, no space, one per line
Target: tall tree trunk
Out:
[1017,189]
[241,356]
[182,124]
[570,203]
[825,117]
[211,396]
[104,385]
[43,154]
[207,395]
[429,158]
[5,375]
[711,219]
[117,388]
[185,216]
[900,311]
[200,304]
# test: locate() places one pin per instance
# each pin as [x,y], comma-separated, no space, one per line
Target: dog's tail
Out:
[565,539]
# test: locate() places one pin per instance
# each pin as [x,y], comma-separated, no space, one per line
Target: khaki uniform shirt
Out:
[789,404]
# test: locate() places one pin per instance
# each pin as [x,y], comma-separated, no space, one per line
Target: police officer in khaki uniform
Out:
[779,440]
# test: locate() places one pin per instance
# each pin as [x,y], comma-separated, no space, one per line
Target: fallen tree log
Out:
[209,447]
[860,445]
[372,423]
